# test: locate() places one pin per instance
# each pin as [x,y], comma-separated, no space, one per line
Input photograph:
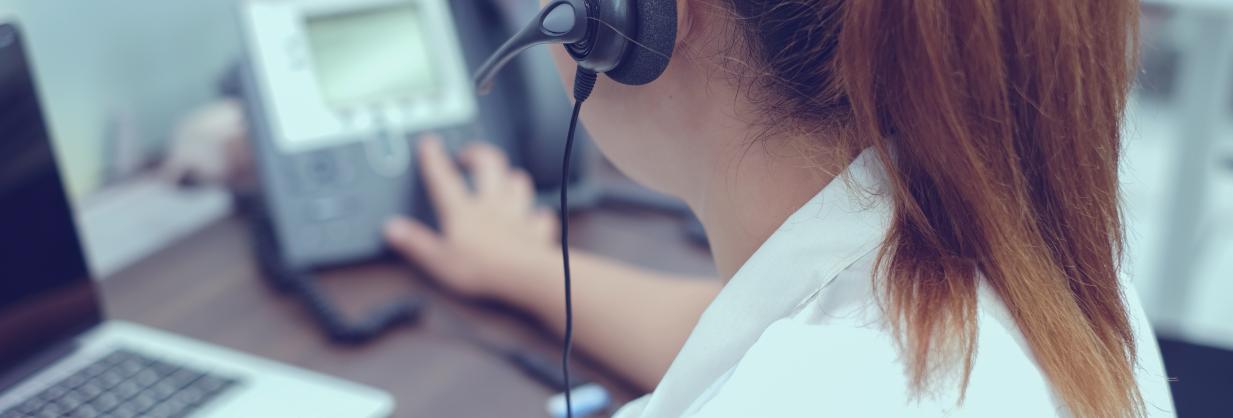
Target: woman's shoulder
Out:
[849,368]
[836,354]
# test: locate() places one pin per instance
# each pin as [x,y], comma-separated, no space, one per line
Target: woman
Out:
[914,205]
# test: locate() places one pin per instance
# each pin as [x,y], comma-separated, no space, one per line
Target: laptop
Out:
[60,358]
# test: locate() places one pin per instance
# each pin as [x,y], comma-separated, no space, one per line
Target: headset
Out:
[630,41]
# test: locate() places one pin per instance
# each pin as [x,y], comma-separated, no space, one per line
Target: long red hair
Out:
[1000,122]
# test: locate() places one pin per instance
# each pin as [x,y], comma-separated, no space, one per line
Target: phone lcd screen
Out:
[375,55]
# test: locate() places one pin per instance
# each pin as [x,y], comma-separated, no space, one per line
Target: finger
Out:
[545,222]
[489,168]
[417,243]
[443,181]
[520,189]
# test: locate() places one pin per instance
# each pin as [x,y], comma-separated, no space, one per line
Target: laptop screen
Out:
[46,294]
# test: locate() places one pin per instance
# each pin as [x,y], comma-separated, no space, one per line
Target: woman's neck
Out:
[753,188]
[741,183]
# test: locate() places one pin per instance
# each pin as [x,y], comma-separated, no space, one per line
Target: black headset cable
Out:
[584,82]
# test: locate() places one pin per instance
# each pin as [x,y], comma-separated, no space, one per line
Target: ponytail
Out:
[1000,122]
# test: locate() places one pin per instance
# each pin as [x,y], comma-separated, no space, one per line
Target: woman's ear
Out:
[684,20]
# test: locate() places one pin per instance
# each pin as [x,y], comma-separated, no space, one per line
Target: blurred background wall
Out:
[117,75]
[1178,170]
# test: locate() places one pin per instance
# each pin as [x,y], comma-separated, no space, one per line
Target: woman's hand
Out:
[493,243]
[488,235]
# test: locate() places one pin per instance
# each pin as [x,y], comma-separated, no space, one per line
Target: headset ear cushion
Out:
[655,39]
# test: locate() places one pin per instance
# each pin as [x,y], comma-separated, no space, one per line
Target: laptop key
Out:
[143,402]
[146,378]
[164,369]
[190,396]
[110,378]
[74,380]
[163,389]
[91,389]
[85,411]
[105,401]
[52,393]
[31,405]
[129,367]
[177,407]
[95,369]
[165,410]
[52,408]
[212,384]
[126,409]
[73,399]
[67,405]
[127,389]
[184,377]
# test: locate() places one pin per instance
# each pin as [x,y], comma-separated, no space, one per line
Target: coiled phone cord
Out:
[584,82]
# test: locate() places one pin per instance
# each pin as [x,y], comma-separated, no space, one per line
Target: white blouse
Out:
[797,332]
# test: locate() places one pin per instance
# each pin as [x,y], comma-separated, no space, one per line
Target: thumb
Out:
[416,242]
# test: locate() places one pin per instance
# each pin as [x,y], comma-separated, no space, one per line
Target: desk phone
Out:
[339,90]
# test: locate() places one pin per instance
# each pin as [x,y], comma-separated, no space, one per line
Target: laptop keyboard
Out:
[125,384]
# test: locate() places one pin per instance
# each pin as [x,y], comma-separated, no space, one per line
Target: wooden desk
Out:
[208,287]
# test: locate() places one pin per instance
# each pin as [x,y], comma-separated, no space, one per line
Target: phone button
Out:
[357,120]
[309,237]
[324,170]
[329,208]
[389,154]
[340,233]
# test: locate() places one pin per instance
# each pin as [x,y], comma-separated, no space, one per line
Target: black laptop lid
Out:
[46,295]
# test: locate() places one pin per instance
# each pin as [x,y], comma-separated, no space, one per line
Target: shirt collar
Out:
[845,221]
